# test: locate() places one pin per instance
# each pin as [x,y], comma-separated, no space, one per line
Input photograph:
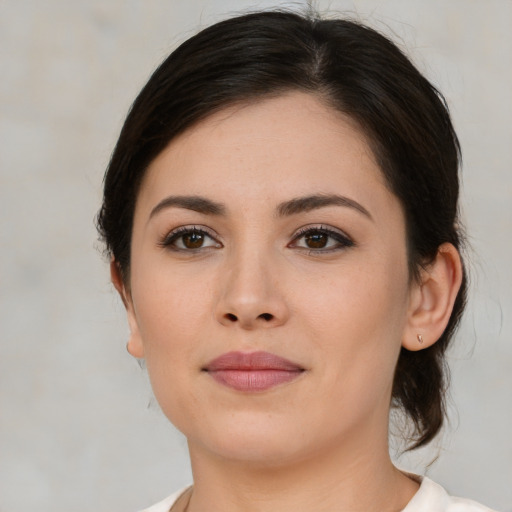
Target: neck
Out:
[353,477]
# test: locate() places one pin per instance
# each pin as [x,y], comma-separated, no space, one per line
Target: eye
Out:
[189,238]
[321,239]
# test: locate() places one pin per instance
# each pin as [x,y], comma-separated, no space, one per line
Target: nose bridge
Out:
[251,273]
[250,293]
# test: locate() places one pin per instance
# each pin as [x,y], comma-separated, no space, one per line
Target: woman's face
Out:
[266,235]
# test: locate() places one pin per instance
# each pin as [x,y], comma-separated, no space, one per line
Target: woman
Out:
[281,211]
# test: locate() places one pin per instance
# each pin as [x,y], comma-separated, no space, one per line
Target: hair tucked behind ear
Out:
[356,71]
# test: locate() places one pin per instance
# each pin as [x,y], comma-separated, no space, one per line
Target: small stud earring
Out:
[420,339]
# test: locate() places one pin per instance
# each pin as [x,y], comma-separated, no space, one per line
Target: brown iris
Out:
[193,240]
[316,240]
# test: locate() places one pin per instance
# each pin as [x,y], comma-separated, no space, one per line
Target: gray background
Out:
[78,427]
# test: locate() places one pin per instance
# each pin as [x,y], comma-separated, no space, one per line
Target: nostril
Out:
[264,316]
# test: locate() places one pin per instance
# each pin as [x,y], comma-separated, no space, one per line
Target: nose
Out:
[251,295]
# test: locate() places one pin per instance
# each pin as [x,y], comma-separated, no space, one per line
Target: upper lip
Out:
[251,361]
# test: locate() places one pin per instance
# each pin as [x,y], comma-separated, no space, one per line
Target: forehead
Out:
[290,145]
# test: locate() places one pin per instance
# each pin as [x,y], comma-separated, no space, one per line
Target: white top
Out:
[430,497]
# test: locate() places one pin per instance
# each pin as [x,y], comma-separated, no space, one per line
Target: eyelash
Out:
[170,239]
[343,241]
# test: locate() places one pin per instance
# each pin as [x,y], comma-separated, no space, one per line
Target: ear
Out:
[134,345]
[432,299]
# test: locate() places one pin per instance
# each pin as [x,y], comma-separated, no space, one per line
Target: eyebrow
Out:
[292,207]
[308,203]
[196,203]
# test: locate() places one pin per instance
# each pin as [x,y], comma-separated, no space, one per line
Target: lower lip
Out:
[254,380]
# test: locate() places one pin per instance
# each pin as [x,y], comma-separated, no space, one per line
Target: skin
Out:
[342,312]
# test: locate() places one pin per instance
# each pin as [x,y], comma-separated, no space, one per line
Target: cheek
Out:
[168,301]
[171,313]
[171,322]
[366,298]
[356,318]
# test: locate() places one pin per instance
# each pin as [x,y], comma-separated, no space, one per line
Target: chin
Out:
[250,439]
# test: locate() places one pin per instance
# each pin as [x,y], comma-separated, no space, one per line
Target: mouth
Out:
[252,372]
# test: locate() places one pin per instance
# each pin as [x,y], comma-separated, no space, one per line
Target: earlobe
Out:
[134,345]
[432,299]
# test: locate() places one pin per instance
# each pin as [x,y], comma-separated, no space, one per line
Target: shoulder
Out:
[166,504]
[431,497]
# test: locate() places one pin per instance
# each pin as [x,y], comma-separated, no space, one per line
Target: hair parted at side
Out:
[354,70]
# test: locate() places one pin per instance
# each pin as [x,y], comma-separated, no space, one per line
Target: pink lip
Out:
[254,371]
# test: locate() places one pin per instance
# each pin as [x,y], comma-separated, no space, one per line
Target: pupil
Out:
[193,240]
[316,241]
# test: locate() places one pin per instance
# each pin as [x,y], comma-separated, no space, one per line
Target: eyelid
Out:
[340,236]
[167,240]
[343,240]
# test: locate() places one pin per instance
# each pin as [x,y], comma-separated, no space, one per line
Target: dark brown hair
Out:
[353,69]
